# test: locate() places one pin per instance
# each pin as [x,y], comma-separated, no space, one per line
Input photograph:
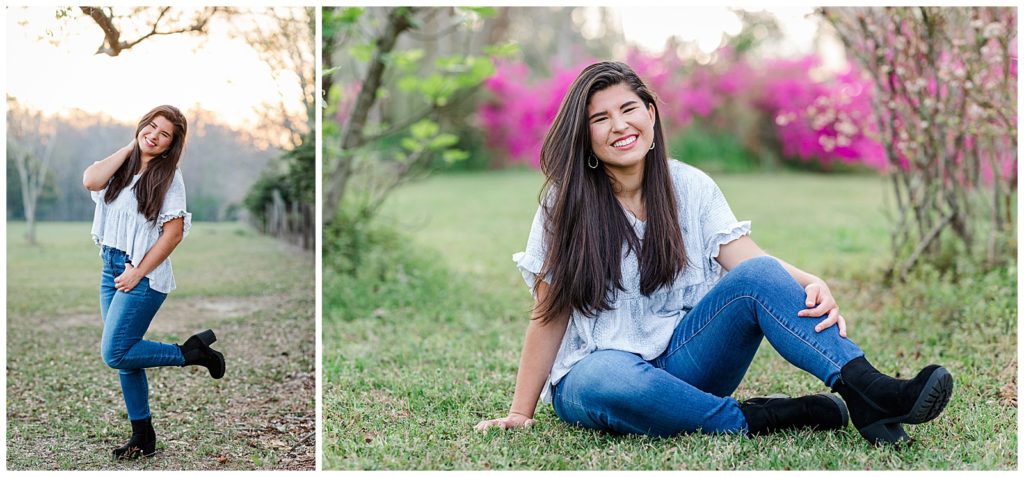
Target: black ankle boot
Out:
[879,404]
[142,442]
[196,350]
[775,413]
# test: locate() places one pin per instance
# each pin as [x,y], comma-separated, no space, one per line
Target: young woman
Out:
[140,218]
[651,298]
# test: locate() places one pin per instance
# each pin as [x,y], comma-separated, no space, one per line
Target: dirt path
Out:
[176,313]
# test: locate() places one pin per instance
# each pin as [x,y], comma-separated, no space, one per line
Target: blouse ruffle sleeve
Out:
[174,205]
[718,224]
[530,261]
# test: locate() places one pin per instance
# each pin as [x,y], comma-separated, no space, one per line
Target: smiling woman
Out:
[140,218]
[652,299]
[162,185]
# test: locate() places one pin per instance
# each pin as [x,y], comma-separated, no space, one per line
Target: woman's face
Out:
[154,138]
[621,128]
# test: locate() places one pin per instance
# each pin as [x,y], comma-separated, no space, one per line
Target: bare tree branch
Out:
[112,44]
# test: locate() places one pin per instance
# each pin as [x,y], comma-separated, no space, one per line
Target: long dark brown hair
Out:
[156,179]
[586,227]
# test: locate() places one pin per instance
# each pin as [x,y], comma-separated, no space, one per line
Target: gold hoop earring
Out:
[594,164]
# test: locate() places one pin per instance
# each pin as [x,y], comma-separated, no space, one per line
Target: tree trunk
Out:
[28,198]
[398,21]
[32,174]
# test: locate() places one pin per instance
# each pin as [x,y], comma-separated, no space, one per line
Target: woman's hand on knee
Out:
[819,302]
[512,421]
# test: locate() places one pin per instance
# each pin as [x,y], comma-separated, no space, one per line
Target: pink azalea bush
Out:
[823,121]
[516,120]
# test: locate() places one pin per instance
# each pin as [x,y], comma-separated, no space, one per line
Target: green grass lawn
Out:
[424,341]
[64,405]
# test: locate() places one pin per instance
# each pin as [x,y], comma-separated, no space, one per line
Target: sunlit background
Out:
[244,81]
[707,27]
[53,66]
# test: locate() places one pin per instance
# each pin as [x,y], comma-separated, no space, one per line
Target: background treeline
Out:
[219,165]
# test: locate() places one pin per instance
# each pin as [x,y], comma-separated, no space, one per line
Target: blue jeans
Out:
[126,317]
[687,387]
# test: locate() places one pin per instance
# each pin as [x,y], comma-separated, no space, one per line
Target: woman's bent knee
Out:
[763,271]
[758,266]
[113,355]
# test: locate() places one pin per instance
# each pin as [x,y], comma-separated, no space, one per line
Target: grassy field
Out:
[424,341]
[64,406]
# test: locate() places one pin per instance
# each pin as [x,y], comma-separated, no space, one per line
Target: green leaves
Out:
[411,144]
[340,19]
[443,141]
[426,136]
[455,72]
[437,88]
[424,129]
[405,60]
[350,15]
[362,51]
[484,12]
[502,50]
[452,156]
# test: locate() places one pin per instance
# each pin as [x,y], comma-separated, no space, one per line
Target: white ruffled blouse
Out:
[636,323]
[120,225]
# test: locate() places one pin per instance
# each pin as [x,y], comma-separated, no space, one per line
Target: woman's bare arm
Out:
[539,350]
[99,173]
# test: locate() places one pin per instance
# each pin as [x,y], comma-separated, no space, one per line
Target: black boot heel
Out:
[880,432]
[197,350]
[880,404]
[207,337]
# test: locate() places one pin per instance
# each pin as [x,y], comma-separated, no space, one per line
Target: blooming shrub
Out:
[945,99]
[521,111]
[821,121]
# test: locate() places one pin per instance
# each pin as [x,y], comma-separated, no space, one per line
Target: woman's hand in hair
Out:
[513,420]
[97,175]
[127,280]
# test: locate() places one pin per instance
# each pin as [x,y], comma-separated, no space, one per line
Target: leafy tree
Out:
[358,140]
[282,200]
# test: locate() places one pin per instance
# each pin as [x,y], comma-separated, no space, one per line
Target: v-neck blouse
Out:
[120,225]
[637,323]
